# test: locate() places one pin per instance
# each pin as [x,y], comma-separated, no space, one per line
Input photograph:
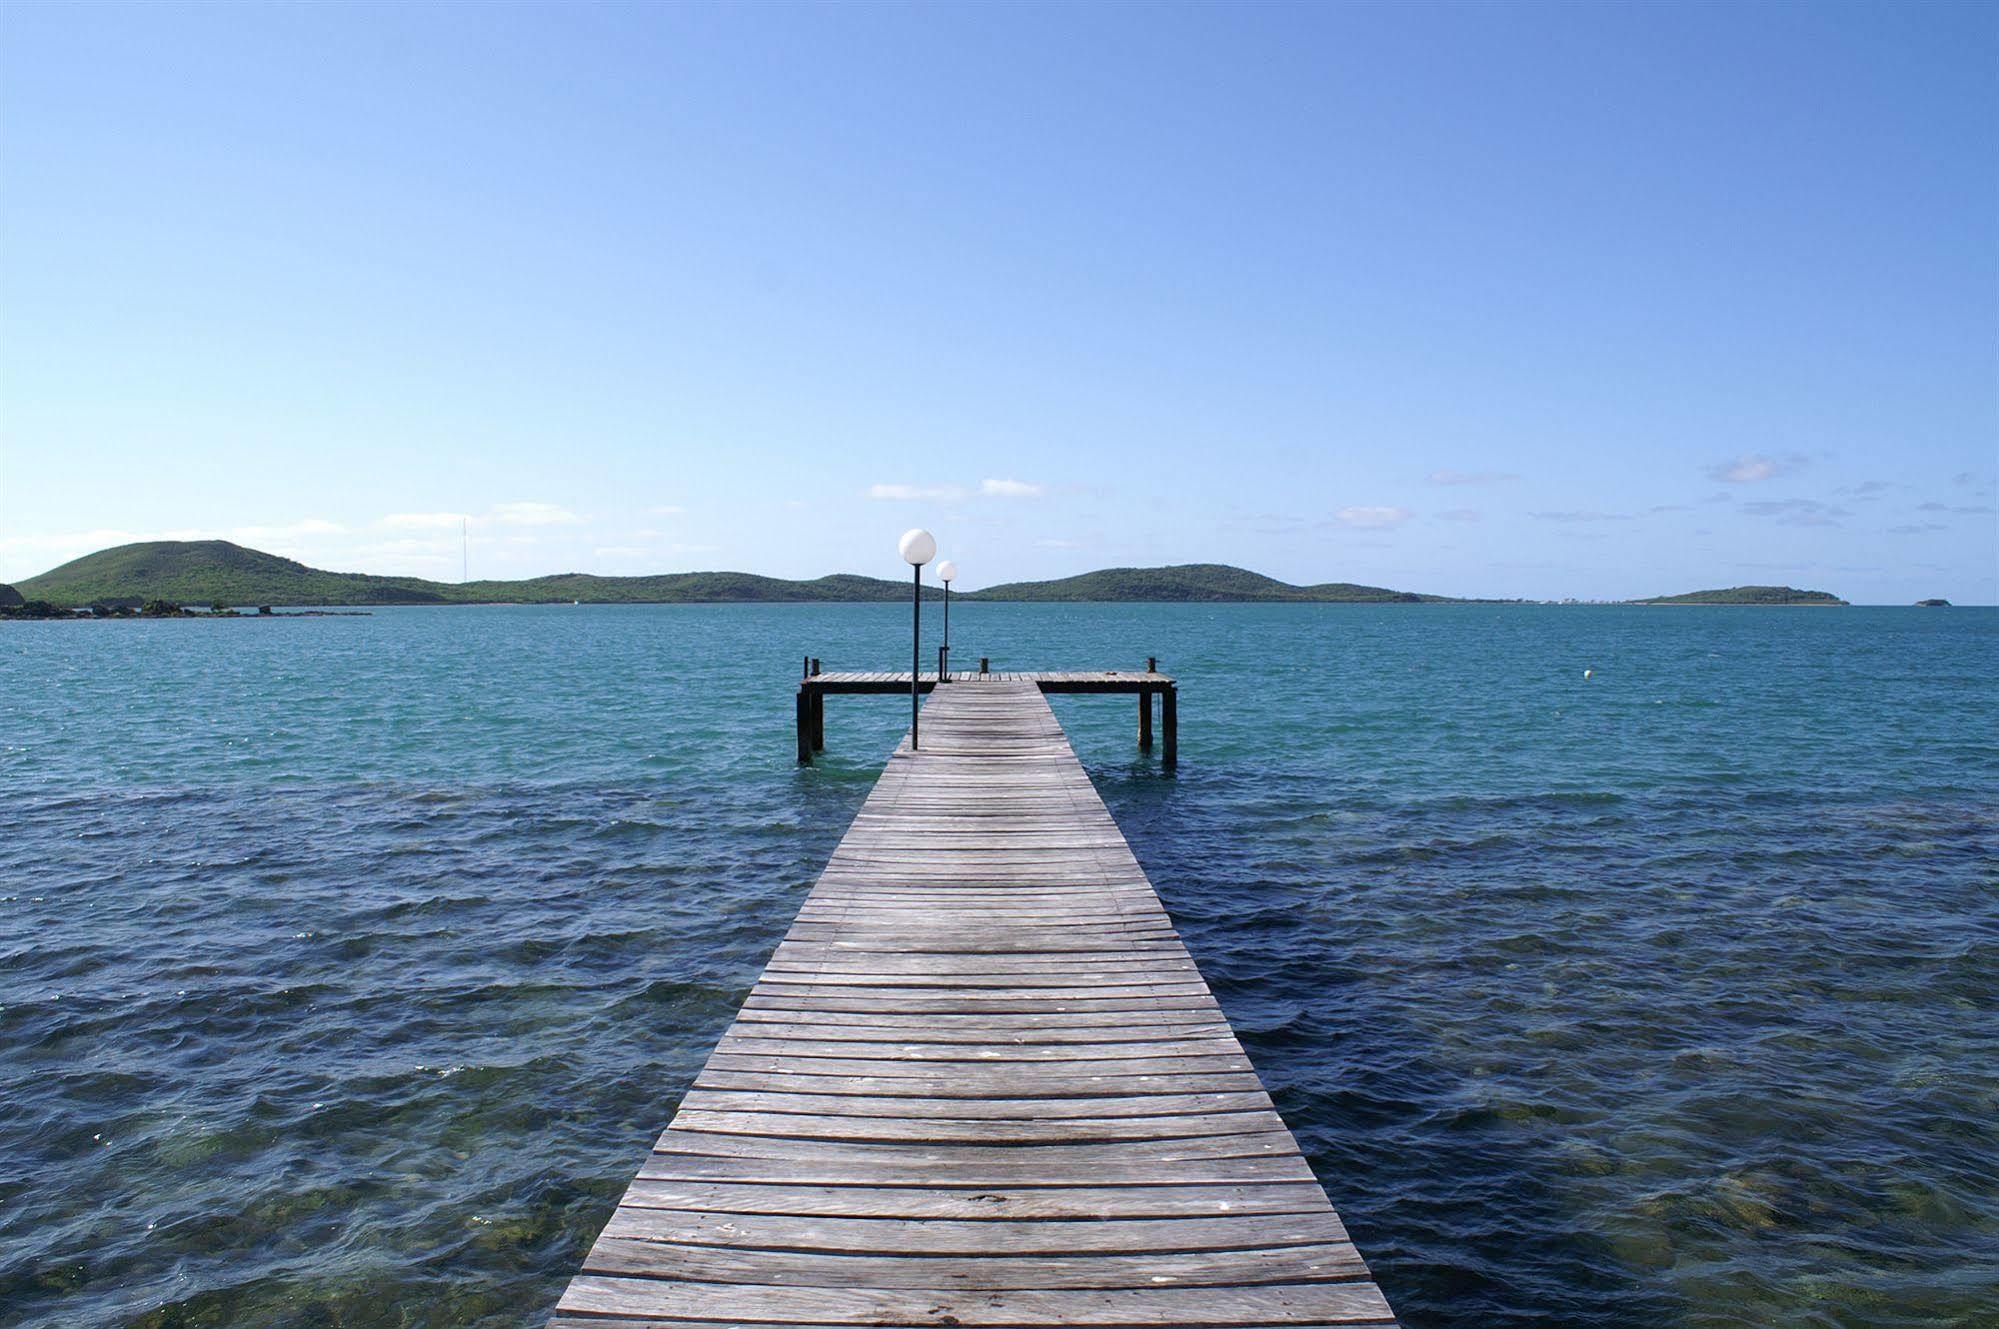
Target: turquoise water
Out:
[349,966]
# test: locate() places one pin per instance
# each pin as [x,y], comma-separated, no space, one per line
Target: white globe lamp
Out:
[917,547]
[947,572]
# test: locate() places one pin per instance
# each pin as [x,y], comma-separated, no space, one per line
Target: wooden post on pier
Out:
[1145,722]
[1169,725]
[805,701]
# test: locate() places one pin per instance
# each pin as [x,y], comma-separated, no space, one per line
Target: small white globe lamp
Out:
[918,547]
[947,572]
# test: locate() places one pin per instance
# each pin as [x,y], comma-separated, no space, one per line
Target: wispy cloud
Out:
[308,529]
[1462,514]
[1057,544]
[1373,518]
[1009,489]
[668,510]
[533,514]
[1450,477]
[1959,509]
[913,493]
[1573,516]
[423,521]
[505,514]
[1797,512]
[77,543]
[1754,467]
[1918,528]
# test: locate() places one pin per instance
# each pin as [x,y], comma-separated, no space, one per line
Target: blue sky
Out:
[1487,299]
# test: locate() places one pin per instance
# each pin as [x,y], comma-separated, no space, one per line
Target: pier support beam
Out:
[804,727]
[1169,726]
[1145,722]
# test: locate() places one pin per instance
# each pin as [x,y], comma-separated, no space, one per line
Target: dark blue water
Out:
[348,967]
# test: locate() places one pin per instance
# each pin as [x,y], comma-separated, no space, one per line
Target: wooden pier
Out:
[1151,687]
[981,1083]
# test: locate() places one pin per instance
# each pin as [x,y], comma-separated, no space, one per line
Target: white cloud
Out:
[64,545]
[298,530]
[909,493]
[1462,514]
[533,514]
[423,521]
[668,510]
[1009,489]
[23,556]
[1752,467]
[1450,477]
[1374,519]
[1057,544]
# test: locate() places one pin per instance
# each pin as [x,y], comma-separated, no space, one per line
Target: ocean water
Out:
[349,966]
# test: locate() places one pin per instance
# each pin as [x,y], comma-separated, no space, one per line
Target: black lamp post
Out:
[947,572]
[918,547]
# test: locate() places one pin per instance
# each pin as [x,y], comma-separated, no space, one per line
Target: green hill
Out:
[205,571]
[1747,595]
[209,571]
[1193,581]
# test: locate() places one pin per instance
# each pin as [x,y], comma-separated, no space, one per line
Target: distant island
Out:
[207,572]
[158,577]
[1747,595]
[1932,604]
[1198,581]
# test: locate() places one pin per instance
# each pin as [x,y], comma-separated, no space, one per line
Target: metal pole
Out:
[944,663]
[915,647]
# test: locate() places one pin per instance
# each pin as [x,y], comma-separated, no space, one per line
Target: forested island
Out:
[1747,595]
[158,578]
[216,571]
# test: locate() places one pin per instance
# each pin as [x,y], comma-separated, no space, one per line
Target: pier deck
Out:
[981,1083]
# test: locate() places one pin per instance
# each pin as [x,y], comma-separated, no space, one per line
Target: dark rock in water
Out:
[33,609]
[161,609]
[263,609]
[1933,604]
[10,597]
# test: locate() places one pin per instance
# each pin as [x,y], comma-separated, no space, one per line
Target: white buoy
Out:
[1588,672]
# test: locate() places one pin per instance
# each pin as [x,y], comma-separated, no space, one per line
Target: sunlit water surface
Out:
[349,966]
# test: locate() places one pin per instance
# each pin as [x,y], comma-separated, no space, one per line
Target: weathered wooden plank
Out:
[945,1237]
[1287,1304]
[793,1171]
[919,1202]
[972,1109]
[679,1139]
[651,1258]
